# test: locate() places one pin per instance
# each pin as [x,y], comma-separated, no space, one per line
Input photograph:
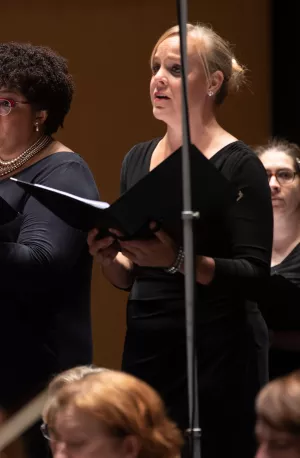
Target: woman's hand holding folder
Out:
[116,267]
[160,251]
[106,249]
[117,257]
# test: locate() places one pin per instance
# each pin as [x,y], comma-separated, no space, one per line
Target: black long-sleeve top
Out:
[240,243]
[280,301]
[45,281]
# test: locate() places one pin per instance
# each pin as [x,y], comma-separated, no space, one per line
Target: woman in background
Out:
[281,304]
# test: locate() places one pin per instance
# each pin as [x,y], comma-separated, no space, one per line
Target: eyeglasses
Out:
[46,432]
[50,435]
[283,176]
[6,105]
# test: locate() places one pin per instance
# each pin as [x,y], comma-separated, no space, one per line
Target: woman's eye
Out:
[155,69]
[285,174]
[281,445]
[76,444]
[176,70]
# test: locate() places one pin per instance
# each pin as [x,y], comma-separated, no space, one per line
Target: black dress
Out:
[281,308]
[155,345]
[45,283]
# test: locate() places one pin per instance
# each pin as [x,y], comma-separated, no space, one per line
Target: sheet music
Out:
[94,203]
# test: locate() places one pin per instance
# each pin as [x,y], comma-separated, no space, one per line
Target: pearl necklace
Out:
[7,167]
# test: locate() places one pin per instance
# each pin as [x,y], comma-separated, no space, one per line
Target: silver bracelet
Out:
[175,267]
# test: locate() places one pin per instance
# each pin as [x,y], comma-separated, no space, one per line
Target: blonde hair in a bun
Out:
[215,54]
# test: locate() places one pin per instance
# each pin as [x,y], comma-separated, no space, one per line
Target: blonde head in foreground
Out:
[278,418]
[109,415]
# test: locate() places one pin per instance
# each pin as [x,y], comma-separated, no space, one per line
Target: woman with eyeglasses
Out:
[107,414]
[281,303]
[45,265]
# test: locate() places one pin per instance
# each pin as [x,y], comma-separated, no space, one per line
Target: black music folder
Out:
[7,213]
[156,197]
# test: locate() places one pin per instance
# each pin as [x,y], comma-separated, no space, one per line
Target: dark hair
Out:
[42,76]
[283,146]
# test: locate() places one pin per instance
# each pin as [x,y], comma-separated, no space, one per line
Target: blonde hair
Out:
[278,404]
[71,375]
[123,405]
[215,54]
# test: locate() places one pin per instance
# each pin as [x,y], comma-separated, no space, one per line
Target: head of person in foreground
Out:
[108,414]
[278,418]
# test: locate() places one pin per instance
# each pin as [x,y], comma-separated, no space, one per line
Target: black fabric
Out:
[259,353]
[45,283]
[281,308]
[155,346]
[281,297]
[241,243]
[282,362]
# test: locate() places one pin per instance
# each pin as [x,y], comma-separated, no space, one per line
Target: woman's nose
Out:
[160,77]
[273,182]
[59,450]
[262,452]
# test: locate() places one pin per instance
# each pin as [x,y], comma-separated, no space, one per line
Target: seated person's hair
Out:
[278,404]
[123,406]
[72,375]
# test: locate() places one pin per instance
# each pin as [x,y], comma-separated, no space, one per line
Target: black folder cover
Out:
[156,197]
[7,213]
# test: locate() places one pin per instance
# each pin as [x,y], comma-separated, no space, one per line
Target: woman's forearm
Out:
[205,269]
[119,272]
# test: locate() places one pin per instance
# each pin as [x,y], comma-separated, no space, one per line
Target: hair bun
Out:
[237,78]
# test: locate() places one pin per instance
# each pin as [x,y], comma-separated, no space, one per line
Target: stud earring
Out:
[37,128]
[210,93]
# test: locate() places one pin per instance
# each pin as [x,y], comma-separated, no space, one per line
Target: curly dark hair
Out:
[42,76]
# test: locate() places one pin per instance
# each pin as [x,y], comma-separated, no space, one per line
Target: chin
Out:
[278,203]
[279,210]
[161,114]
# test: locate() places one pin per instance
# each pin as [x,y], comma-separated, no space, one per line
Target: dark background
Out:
[285,69]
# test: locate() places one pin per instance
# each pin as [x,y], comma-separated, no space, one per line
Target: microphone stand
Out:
[188,216]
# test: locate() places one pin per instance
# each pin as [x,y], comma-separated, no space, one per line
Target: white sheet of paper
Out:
[93,203]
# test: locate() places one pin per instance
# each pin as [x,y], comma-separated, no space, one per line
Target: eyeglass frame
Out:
[45,432]
[13,104]
[270,175]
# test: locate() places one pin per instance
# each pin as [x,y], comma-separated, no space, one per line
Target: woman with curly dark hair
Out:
[45,265]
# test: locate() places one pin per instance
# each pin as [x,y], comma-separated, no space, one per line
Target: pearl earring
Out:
[210,93]
[37,128]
